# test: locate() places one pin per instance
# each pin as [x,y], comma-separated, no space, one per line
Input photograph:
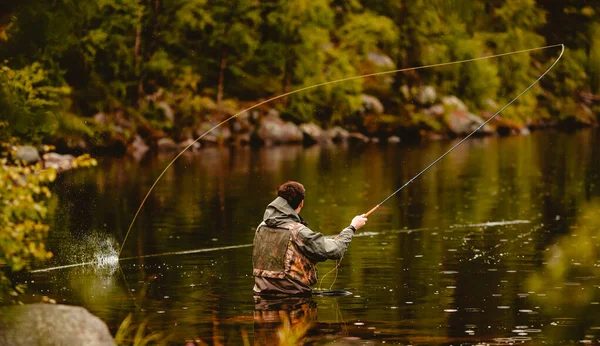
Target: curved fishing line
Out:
[308,88]
[470,134]
[454,147]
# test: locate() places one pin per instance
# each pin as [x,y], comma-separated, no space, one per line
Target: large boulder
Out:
[454,103]
[273,130]
[46,324]
[27,154]
[337,134]
[462,123]
[313,133]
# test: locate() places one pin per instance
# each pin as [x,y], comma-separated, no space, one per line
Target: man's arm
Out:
[319,248]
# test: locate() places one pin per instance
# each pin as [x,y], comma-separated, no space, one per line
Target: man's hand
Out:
[359,221]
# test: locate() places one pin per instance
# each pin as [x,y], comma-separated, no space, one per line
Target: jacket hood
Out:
[279,212]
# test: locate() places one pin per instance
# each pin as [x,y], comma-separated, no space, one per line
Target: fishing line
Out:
[470,134]
[334,82]
[457,144]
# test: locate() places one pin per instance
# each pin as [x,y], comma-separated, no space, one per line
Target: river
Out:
[497,243]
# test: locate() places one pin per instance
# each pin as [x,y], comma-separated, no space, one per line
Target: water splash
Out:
[97,252]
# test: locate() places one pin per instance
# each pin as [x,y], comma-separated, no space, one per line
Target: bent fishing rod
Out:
[345,80]
[467,137]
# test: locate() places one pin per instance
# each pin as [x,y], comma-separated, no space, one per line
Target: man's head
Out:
[293,192]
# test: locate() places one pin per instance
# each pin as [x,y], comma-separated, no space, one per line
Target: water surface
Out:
[484,247]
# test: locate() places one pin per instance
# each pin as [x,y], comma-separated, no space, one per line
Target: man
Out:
[286,252]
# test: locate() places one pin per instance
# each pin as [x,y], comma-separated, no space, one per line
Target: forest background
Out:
[99,75]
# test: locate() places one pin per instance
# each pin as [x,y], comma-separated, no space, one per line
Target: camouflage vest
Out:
[276,254]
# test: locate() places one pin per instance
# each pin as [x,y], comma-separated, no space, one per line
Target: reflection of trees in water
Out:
[567,283]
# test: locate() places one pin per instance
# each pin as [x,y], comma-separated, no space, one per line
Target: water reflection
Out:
[444,261]
[568,283]
[283,321]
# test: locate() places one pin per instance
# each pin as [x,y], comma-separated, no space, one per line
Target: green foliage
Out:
[23,192]
[30,105]
[196,54]
[129,334]
[570,258]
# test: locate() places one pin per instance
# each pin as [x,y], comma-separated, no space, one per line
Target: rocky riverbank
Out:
[425,116]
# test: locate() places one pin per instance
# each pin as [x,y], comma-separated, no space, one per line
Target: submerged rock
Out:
[27,154]
[46,324]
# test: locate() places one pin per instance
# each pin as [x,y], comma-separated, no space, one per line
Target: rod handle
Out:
[372,210]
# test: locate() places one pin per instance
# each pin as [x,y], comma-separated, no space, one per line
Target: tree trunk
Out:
[137,53]
[286,80]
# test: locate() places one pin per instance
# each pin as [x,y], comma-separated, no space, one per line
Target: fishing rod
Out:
[340,81]
[467,137]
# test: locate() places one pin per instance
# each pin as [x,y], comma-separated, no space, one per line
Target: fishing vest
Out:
[277,255]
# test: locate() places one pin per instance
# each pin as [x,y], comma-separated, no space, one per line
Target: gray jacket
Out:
[316,247]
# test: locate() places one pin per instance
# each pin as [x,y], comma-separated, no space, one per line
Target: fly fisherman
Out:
[286,252]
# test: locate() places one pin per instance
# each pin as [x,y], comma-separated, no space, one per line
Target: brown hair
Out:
[293,192]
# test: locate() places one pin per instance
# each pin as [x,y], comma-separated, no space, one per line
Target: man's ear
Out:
[301,204]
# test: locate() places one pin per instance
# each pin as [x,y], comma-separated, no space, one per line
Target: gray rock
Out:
[313,133]
[524,131]
[46,324]
[435,111]
[194,145]
[137,148]
[59,162]
[273,130]
[461,122]
[212,134]
[166,144]
[380,59]
[241,123]
[426,95]
[167,110]
[337,134]
[357,137]
[28,154]
[454,103]
[209,139]
[371,104]
[393,139]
